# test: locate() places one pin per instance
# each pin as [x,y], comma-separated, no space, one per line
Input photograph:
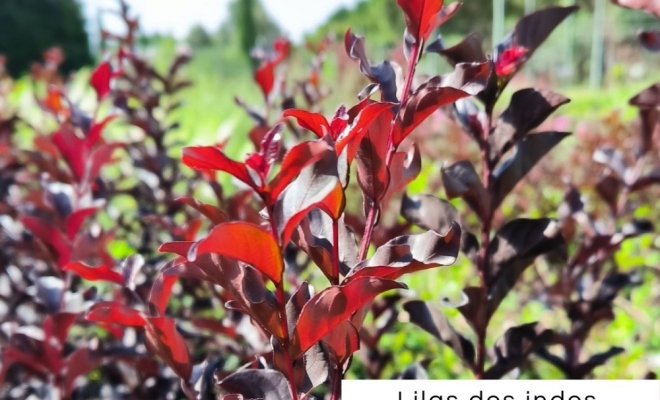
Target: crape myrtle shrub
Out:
[275,286]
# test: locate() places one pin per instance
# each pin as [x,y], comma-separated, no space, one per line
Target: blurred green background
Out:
[221,69]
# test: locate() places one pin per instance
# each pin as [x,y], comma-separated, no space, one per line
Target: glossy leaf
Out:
[334,305]
[410,253]
[421,17]
[314,122]
[529,151]
[295,160]
[527,110]
[244,242]
[257,384]
[316,183]
[465,80]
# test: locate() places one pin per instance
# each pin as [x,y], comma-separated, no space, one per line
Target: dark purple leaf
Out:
[527,110]
[432,321]
[515,346]
[515,246]
[528,152]
[257,384]
[461,180]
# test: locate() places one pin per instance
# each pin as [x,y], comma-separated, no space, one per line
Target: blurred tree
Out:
[30,27]
[199,38]
[248,25]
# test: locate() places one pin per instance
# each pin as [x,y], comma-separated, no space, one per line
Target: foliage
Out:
[278,273]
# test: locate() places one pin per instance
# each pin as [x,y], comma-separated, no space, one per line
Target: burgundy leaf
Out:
[169,345]
[410,253]
[373,175]
[334,305]
[650,40]
[50,236]
[258,384]
[382,74]
[465,80]
[316,183]
[295,160]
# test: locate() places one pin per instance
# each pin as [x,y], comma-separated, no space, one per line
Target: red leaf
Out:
[81,362]
[115,313]
[311,121]
[212,158]
[75,220]
[334,305]
[213,325]
[265,77]
[360,126]
[209,211]
[100,80]
[100,157]
[58,325]
[421,17]
[168,343]
[299,157]
[373,175]
[101,273]
[181,248]
[96,130]
[510,60]
[72,149]
[247,243]
[50,236]
[343,340]
[161,290]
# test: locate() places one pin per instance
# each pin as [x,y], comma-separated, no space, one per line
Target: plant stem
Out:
[336,384]
[373,207]
[335,251]
[482,261]
[281,304]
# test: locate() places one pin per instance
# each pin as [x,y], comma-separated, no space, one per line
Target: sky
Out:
[296,17]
